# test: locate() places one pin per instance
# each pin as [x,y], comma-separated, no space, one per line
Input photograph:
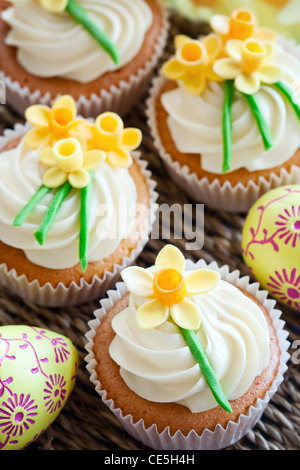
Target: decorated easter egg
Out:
[37,374]
[271,243]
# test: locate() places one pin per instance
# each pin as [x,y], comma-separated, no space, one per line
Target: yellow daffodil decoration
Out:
[239,55]
[70,149]
[166,291]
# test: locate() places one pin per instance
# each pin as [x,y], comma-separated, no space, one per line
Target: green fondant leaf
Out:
[261,122]
[288,93]
[227,124]
[198,352]
[86,193]
[58,198]
[31,205]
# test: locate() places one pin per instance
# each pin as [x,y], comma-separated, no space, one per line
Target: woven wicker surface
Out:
[85,423]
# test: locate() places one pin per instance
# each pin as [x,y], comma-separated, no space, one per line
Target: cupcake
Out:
[282,15]
[76,204]
[186,355]
[102,53]
[224,116]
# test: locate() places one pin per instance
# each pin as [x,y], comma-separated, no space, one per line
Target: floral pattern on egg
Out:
[271,243]
[37,374]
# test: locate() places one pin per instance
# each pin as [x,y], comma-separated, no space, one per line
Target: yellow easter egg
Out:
[271,243]
[37,374]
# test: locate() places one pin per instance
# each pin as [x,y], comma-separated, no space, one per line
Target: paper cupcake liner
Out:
[118,99]
[238,198]
[75,294]
[208,440]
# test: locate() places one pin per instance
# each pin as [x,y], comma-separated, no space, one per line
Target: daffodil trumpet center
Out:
[241,25]
[193,56]
[60,120]
[169,286]
[68,155]
[253,54]
[108,131]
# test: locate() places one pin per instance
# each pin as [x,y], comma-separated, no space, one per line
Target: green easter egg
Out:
[37,374]
[271,243]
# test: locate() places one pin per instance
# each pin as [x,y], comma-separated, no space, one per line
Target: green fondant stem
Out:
[227,124]
[31,205]
[86,193]
[261,122]
[287,92]
[198,352]
[82,17]
[58,198]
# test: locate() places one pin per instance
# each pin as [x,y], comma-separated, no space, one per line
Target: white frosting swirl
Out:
[158,365]
[112,211]
[54,45]
[195,124]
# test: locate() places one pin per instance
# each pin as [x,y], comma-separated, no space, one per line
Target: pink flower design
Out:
[289,226]
[286,288]
[60,349]
[55,393]
[16,416]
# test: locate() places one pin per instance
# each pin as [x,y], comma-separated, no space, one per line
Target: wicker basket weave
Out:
[85,423]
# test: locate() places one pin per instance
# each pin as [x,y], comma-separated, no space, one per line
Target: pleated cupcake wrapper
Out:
[220,437]
[75,294]
[238,198]
[118,99]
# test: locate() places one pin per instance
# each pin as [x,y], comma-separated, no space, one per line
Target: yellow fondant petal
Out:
[172,69]
[131,138]
[46,156]
[93,158]
[152,314]
[54,177]
[79,179]
[119,158]
[74,126]
[211,75]
[269,74]
[226,68]
[139,281]
[264,34]
[194,85]
[186,315]
[36,138]
[180,39]
[65,101]
[220,24]
[38,115]
[200,281]
[170,257]
[85,129]
[81,139]
[55,6]
[213,45]
[234,49]
[247,84]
